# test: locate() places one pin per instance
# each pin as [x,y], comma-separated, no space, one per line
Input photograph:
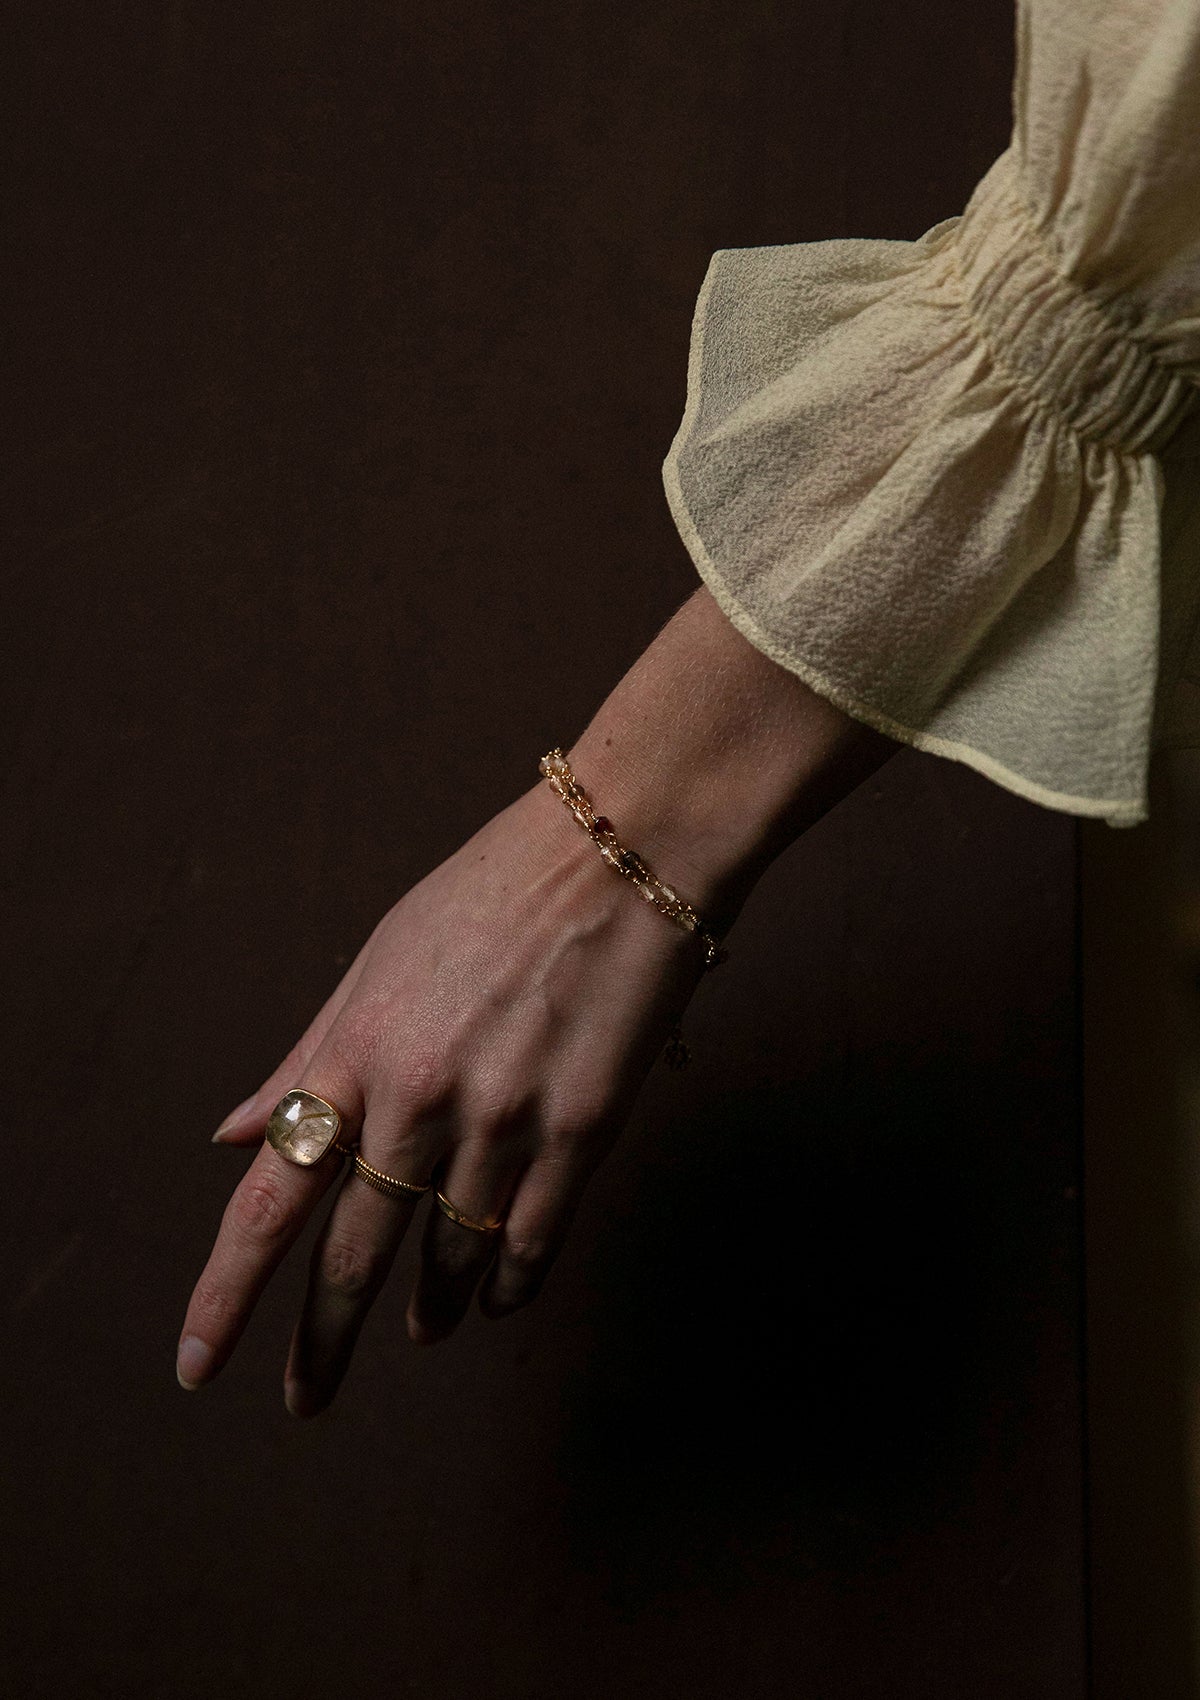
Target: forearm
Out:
[710,758]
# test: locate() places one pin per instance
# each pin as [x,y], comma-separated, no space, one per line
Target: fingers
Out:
[350,1263]
[479,1180]
[245,1125]
[269,1207]
[356,1249]
[538,1219]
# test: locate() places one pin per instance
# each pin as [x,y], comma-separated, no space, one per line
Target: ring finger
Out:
[462,1231]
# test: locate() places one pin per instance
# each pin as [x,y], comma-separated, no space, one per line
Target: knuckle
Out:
[500,1104]
[577,1135]
[354,1271]
[578,1123]
[421,1073]
[354,1036]
[530,1255]
[213,1308]
[450,1259]
[259,1211]
[402,1153]
[496,1128]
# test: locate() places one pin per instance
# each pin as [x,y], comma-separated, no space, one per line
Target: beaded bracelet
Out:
[630,866]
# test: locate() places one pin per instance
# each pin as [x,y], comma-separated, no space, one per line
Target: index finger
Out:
[266,1213]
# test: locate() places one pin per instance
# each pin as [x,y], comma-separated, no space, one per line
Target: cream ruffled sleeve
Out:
[954,483]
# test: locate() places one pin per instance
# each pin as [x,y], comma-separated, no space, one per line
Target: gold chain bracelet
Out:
[630,866]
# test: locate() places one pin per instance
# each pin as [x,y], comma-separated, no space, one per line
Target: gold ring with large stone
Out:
[464,1221]
[303,1127]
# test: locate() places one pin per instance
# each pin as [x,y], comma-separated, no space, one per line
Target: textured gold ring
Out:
[389,1184]
[456,1215]
[303,1127]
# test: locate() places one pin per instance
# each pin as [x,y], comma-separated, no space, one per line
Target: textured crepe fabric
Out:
[954,483]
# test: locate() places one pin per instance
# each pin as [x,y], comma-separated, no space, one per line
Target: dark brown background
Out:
[352,340]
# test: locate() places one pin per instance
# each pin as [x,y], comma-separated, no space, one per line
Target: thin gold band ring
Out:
[389,1184]
[456,1215]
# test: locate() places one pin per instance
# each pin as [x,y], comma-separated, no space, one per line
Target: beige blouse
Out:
[954,483]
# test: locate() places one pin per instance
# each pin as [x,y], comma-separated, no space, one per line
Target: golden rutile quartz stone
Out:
[302,1126]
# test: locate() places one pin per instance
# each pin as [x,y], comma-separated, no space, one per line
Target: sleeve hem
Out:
[1118,812]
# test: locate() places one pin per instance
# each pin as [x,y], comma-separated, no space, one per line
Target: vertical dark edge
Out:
[1082,1265]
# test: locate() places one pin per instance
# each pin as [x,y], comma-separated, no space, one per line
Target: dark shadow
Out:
[819,1386]
[1141,1049]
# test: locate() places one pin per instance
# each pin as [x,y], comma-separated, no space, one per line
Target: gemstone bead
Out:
[302,1127]
[603,824]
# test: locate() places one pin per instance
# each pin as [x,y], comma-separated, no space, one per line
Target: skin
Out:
[496,1027]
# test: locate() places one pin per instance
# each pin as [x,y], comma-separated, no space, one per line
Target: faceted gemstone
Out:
[603,824]
[302,1127]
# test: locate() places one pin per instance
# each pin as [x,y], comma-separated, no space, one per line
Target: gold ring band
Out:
[388,1184]
[456,1215]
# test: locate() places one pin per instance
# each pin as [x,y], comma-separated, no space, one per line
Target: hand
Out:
[495,1028]
[491,1035]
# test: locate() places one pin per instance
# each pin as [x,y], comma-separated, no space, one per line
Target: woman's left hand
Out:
[490,1037]
[494,1030]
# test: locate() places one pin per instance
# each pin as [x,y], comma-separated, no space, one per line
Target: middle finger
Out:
[356,1249]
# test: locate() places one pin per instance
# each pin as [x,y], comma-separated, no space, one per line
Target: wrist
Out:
[709,759]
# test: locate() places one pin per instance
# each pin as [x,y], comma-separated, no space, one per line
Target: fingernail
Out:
[233,1118]
[193,1362]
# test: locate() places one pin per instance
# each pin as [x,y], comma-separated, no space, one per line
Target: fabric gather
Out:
[922,476]
[954,483]
[1076,354]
